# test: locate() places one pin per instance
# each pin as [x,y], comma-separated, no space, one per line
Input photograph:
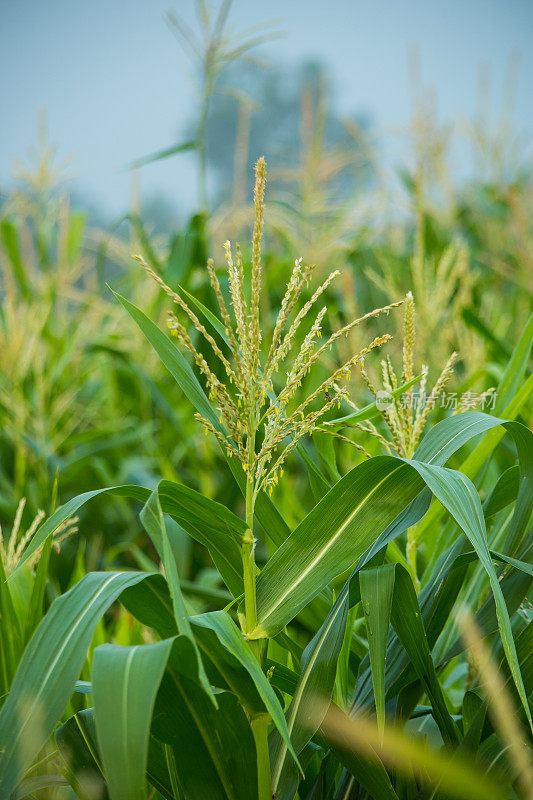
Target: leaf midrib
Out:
[328,545]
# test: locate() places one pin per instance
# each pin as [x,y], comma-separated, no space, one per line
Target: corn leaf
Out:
[377,587]
[310,701]
[213,748]
[341,527]
[233,640]
[125,684]
[49,669]
[76,741]
[152,518]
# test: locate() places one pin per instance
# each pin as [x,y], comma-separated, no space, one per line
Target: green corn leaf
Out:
[150,602]
[473,719]
[377,587]
[213,748]
[49,669]
[283,678]
[154,523]
[10,635]
[313,691]
[76,742]
[332,538]
[35,783]
[71,506]
[225,670]
[231,637]
[174,361]
[325,447]
[523,566]
[340,528]
[408,652]
[504,492]
[457,493]
[437,600]
[473,464]
[515,369]
[159,155]
[217,325]
[35,608]
[212,525]
[125,684]
[370,411]
[205,520]
[10,239]
[515,586]
[319,485]
[407,622]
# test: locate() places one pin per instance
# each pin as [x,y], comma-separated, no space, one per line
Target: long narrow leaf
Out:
[233,640]
[49,669]
[154,523]
[377,587]
[125,684]
[314,688]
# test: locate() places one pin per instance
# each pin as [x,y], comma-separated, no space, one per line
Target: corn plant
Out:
[74,404]
[329,674]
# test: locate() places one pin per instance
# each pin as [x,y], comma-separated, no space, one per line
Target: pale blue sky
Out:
[113,78]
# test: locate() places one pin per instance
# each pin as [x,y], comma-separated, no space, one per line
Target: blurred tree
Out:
[275,112]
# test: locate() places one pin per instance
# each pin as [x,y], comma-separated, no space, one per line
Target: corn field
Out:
[266,481]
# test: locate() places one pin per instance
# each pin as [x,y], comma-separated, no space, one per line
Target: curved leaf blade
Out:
[377,588]
[50,667]
[234,641]
[314,687]
[125,684]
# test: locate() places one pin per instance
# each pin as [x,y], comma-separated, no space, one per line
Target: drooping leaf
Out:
[340,528]
[457,493]
[230,636]
[207,521]
[71,506]
[210,523]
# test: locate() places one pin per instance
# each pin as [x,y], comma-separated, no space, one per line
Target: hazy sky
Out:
[114,80]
